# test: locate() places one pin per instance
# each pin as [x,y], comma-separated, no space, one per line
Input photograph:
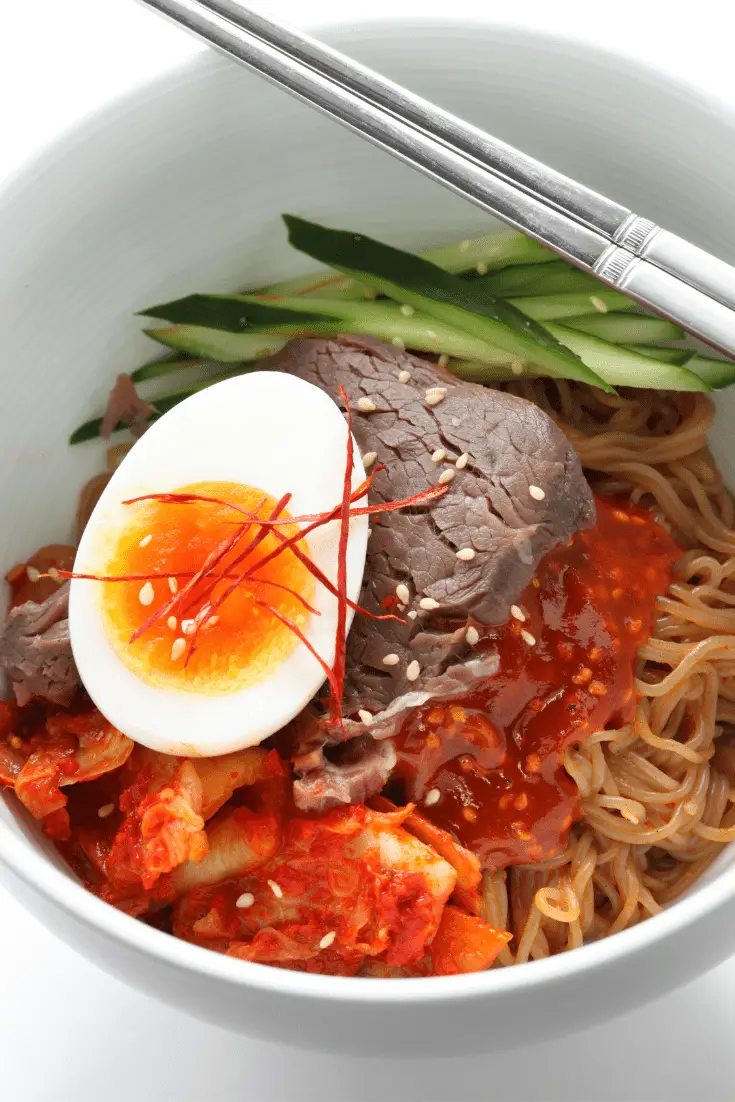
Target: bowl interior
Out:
[180,188]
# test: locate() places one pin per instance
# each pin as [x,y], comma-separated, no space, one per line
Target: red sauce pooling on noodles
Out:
[491,764]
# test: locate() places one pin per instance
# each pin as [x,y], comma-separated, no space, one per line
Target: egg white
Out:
[269,430]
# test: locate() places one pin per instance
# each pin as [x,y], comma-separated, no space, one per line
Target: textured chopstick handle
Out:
[694,310]
[679,257]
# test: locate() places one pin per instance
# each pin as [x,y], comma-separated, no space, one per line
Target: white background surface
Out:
[70,1033]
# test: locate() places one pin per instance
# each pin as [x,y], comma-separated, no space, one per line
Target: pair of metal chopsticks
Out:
[624,250]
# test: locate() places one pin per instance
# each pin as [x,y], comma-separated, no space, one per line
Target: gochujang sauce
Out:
[489,767]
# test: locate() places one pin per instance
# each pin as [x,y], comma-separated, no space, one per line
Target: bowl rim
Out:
[49,881]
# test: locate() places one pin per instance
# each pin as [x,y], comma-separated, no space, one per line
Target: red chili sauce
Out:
[491,763]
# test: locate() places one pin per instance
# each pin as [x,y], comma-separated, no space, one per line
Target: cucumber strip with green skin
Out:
[716,373]
[176,361]
[233,313]
[416,282]
[215,344]
[555,278]
[91,429]
[332,285]
[493,250]
[621,367]
[618,369]
[627,328]
[401,325]
[551,307]
[666,355]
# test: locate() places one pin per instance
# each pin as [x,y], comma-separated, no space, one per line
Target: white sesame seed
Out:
[32,574]
[481,267]
[527,637]
[187,626]
[516,367]
[443,360]
[598,304]
[432,797]
[517,613]
[146,594]
[53,573]
[368,459]
[172,623]
[391,660]
[413,671]
[245,900]
[536,493]
[412,614]
[402,593]
[173,585]
[466,554]
[212,621]
[366,405]
[105,811]
[435,399]
[178,649]
[366,716]
[428,604]
[276,889]
[327,940]
[438,455]
[404,376]
[446,476]
[146,540]
[436,389]
[407,311]
[462,461]
[398,342]
[472,636]
[464,246]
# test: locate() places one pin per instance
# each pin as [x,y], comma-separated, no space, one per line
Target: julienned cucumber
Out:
[492,251]
[216,344]
[627,328]
[236,313]
[573,306]
[716,373]
[207,316]
[418,283]
[661,352]
[621,367]
[555,278]
[175,361]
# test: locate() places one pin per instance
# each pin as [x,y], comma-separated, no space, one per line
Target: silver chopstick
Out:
[638,235]
[587,248]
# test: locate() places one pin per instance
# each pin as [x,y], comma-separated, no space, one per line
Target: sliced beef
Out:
[35,650]
[347,773]
[519,492]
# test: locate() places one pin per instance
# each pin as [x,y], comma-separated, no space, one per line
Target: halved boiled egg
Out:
[190,632]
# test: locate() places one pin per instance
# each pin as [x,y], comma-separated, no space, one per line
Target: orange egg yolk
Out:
[161,548]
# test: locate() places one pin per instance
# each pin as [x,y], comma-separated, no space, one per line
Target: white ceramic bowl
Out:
[179,187]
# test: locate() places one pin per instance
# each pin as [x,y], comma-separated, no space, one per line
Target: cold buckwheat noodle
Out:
[657,795]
